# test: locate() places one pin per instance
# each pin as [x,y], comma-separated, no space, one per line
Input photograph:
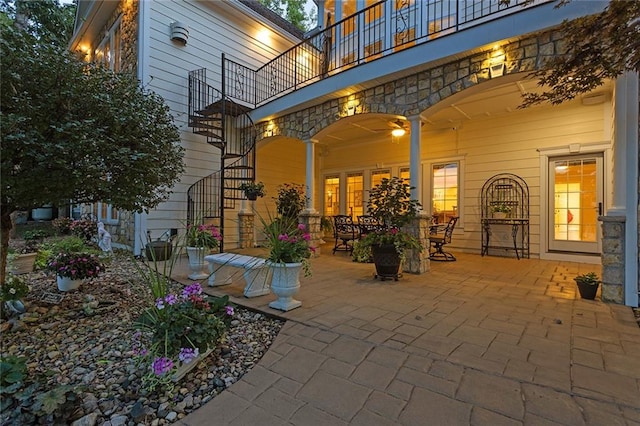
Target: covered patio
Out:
[483,340]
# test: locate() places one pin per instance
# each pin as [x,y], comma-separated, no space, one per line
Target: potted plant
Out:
[253,190]
[587,285]
[22,258]
[501,211]
[200,239]
[289,253]
[11,292]
[177,331]
[71,268]
[390,203]
[291,199]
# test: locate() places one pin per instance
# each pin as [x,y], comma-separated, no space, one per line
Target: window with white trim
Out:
[445,194]
[109,52]
[105,213]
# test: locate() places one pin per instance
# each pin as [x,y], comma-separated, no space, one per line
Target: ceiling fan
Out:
[396,128]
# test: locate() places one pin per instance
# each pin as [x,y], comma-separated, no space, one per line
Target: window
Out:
[105,213]
[378,175]
[108,52]
[404,175]
[444,190]
[331,195]
[355,189]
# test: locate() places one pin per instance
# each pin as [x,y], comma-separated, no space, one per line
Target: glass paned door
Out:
[576,197]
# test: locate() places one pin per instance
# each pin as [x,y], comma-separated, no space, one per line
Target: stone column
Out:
[620,238]
[312,221]
[613,242]
[418,262]
[246,220]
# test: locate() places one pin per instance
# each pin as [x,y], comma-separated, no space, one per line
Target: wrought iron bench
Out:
[368,224]
[345,233]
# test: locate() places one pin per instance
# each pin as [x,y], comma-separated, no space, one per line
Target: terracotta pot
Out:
[23,263]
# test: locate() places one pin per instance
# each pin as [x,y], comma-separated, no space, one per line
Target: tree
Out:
[599,47]
[292,10]
[76,131]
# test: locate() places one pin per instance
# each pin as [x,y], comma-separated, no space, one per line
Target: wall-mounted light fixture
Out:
[497,62]
[180,32]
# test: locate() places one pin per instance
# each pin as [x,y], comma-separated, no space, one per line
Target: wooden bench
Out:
[256,272]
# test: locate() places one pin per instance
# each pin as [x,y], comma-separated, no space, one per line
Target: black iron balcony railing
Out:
[381,29]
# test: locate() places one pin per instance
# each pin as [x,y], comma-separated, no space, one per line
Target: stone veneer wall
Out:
[245,222]
[415,93]
[613,257]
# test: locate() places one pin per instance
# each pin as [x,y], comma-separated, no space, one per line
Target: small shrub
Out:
[62,225]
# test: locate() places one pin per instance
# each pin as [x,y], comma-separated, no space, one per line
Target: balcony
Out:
[385,28]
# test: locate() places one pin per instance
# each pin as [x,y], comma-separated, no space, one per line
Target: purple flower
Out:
[171,299]
[160,303]
[161,366]
[187,355]
[229,310]
[191,290]
[301,226]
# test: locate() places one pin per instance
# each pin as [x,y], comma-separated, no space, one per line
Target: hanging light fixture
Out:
[396,133]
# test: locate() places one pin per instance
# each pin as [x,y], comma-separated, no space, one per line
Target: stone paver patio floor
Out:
[480,341]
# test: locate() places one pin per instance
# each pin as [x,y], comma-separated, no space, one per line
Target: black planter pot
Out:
[587,291]
[252,196]
[387,261]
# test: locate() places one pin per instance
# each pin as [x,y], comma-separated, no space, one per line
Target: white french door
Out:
[575,201]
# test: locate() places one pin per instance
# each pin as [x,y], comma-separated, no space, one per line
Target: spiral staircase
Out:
[228,127]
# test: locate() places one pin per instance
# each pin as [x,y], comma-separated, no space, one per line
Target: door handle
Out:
[600,209]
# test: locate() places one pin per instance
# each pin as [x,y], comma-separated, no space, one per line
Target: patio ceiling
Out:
[495,101]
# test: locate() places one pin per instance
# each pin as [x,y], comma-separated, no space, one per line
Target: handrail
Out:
[379,30]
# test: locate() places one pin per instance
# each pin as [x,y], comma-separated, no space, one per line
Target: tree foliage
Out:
[77,131]
[599,47]
[292,10]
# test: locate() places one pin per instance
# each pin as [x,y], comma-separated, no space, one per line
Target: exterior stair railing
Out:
[214,115]
[379,30]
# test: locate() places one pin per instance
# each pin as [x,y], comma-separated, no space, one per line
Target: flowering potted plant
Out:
[11,293]
[206,236]
[390,203]
[289,253]
[178,329]
[200,238]
[71,268]
[253,190]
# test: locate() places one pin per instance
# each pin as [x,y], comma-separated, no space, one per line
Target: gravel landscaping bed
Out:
[86,339]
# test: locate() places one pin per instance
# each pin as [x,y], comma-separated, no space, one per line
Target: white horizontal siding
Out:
[214,28]
[507,144]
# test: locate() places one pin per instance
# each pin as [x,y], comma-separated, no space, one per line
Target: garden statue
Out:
[104,238]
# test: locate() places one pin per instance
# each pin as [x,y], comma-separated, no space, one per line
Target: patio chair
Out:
[439,237]
[345,233]
[368,224]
